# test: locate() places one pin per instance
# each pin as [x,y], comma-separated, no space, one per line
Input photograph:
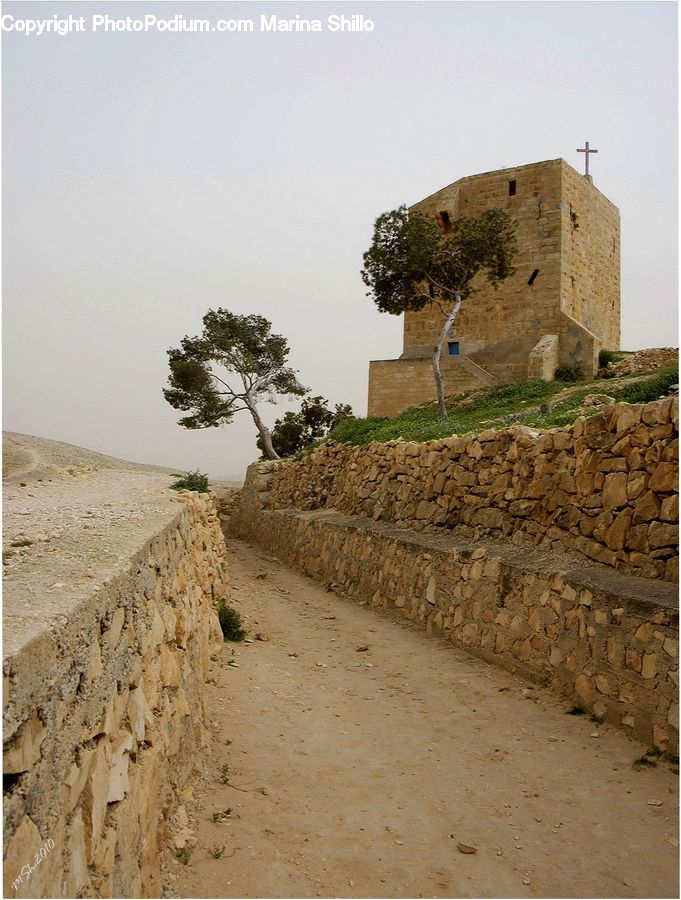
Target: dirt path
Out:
[361,770]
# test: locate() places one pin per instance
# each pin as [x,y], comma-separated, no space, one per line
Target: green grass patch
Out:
[499,407]
[648,390]
[472,411]
[644,391]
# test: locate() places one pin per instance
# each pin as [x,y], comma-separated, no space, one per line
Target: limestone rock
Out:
[121,744]
[24,749]
[17,878]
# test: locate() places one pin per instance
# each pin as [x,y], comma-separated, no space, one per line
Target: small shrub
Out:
[222,814]
[184,855]
[217,851]
[230,622]
[191,481]
[571,372]
[649,758]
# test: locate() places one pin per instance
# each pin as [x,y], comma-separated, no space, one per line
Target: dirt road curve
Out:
[362,770]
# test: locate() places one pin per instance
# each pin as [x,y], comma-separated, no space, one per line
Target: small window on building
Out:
[444,222]
[431,291]
[511,188]
[530,280]
[453,348]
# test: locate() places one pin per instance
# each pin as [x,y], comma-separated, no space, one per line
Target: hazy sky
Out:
[151,176]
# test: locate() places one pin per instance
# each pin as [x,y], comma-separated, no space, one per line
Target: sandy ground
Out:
[355,772]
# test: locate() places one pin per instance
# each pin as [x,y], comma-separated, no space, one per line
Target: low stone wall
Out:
[605,487]
[397,384]
[645,360]
[606,642]
[104,712]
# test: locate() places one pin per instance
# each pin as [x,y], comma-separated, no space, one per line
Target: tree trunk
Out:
[263,431]
[437,353]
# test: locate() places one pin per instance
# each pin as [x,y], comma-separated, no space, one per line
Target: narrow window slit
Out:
[512,188]
[533,276]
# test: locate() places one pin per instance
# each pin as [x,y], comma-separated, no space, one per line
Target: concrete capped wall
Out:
[104,714]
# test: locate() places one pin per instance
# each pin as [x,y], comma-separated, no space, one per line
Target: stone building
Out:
[561,306]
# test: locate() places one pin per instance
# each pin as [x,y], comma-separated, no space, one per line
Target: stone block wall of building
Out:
[543,359]
[578,346]
[567,278]
[515,315]
[605,488]
[590,251]
[104,715]
[607,643]
[393,381]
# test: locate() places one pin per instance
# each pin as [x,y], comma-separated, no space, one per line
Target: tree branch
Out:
[224,384]
[440,287]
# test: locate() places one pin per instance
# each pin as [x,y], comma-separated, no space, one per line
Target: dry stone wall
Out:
[605,487]
[645,360]
[104,715]
[608,643]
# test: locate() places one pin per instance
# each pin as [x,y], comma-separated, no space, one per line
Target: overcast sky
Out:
[151,176]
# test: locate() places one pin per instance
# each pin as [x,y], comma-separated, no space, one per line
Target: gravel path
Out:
[363,757]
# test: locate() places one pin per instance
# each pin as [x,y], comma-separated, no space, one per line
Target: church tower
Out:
[561,306]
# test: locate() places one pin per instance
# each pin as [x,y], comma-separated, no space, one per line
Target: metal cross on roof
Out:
[586,152]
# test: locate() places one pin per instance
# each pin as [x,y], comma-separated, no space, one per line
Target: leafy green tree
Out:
[410,264]
[297,430]
[233,365]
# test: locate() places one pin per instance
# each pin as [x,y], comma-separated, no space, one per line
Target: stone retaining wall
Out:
[605,487]
[104,715]
[606,642]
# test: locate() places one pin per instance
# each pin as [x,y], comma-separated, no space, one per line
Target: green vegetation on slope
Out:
[191,481]
[499,407]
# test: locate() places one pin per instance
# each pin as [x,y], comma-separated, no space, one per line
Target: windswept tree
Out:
[297,430]
[410,264]
[235,364]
